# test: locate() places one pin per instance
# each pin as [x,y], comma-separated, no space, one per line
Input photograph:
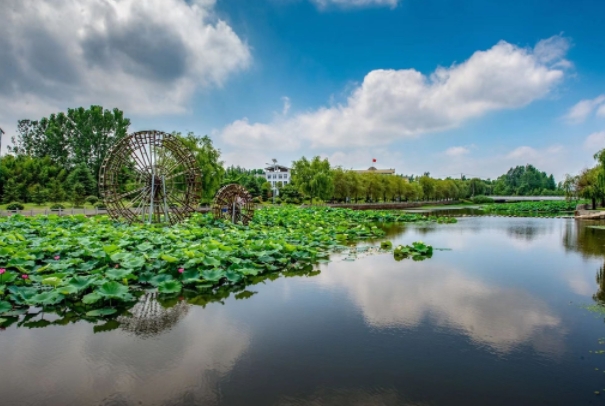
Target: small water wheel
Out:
[233,203]
[150,176]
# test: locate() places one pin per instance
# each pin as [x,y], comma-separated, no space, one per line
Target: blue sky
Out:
[447,87]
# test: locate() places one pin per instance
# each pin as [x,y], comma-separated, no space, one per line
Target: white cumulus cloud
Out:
[391,105]
[595,141]
[142,56]
[584,108]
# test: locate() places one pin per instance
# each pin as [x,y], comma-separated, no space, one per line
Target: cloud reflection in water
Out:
[392,294]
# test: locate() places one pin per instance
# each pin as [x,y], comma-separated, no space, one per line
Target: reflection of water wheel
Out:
[150,318]
[233,203]
[150,176]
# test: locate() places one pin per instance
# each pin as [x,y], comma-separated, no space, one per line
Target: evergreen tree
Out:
[78,194]
[56,193]
[12,191]
[81,174]
[38,194]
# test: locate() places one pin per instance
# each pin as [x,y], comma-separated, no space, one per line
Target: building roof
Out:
[371,169]
[280,168]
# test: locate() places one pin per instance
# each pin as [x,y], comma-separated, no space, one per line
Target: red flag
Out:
[373,159]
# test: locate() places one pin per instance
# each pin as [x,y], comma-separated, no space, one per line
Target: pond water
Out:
[497,316]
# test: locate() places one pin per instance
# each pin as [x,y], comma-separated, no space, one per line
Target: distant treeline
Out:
[58,158]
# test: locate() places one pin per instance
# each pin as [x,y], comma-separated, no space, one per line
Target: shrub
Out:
[57,207]
[277,200]
[92,200]
[257,200]
[100,206]
[482,199]
[15,206]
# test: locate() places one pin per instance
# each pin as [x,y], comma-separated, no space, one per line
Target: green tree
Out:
[313,178]
[38,194]
[12,192]
[208,160]
[80,136]
[372,186]
[81,174]
[56,193]
[428,186]
[78,194]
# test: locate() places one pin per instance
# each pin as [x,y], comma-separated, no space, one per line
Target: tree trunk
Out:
[594,203]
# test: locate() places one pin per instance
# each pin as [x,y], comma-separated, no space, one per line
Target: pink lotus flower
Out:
[57,257]
[24,276]
[181,270]
[2,270]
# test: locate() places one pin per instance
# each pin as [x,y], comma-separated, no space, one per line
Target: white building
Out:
[276,174]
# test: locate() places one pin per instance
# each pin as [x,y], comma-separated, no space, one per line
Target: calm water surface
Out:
[496,318]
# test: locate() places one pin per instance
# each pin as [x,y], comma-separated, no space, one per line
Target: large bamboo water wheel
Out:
[233,203]
[150,176]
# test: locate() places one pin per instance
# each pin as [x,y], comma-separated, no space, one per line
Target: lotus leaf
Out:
[91,298]
[113,290]
[170,287]
[67,290]
[8,277]
[250,271]
[119,256]
[190,276]
[213,275]
[82,282]
[101,312]
[118,273]
[52,281]
[133,263]
[46,299]
[5,306]
[210,261]
[233,276]
[156,280]
[169,258]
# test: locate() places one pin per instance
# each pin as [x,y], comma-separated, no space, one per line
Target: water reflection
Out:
[150,316]
[431,292]
[583,237]
[492,313]
[528,232]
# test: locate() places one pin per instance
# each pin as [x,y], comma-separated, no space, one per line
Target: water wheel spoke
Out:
[159,169]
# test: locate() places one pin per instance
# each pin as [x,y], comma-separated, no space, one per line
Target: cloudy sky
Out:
[443,86]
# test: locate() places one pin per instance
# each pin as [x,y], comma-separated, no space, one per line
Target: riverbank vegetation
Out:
[90,264]
[524,208]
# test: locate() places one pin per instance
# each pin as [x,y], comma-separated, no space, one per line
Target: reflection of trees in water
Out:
[599,296]
[588,241]
[151,317]
[525,232]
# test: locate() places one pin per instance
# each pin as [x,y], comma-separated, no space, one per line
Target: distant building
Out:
[275,174]
[371,169]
